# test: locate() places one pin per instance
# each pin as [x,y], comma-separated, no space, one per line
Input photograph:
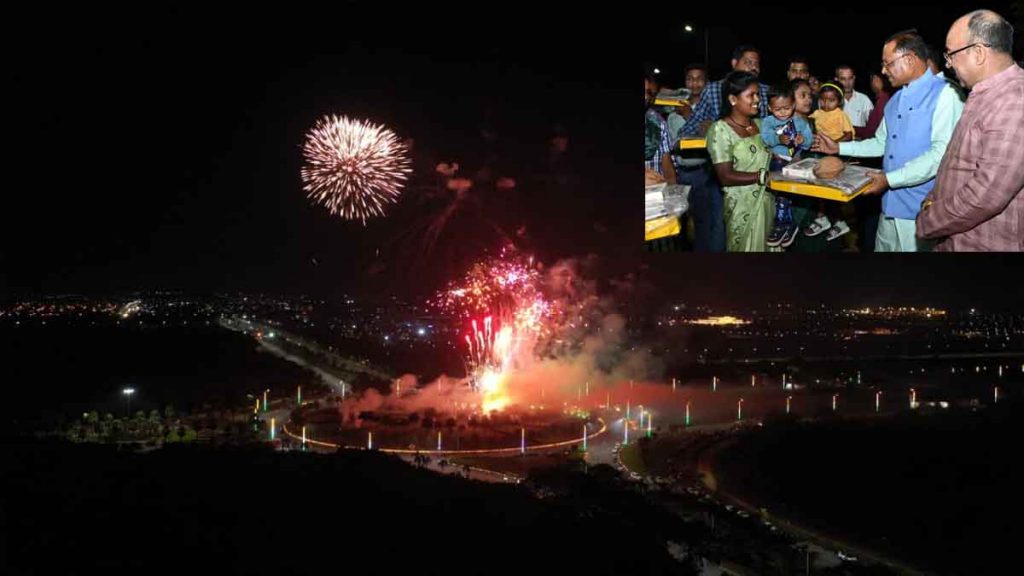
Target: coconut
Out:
[829,167]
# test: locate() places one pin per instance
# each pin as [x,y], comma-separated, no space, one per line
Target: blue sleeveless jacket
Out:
[908,123]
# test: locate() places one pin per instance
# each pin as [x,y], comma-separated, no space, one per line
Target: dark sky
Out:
[164,152]
[167,154]
[826,33]
[984,281]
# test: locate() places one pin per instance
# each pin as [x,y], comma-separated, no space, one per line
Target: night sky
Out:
[989,282]
[166,153]
[826,33]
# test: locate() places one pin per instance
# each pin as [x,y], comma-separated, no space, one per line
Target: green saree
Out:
[750,209]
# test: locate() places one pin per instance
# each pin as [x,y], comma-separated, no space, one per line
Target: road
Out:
[706,467]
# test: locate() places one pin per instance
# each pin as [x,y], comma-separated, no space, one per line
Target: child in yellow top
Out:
[829,118]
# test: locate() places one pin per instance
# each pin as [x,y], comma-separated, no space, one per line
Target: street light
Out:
[128,396]
[689,29]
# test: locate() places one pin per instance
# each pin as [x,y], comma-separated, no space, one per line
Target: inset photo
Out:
[904,139]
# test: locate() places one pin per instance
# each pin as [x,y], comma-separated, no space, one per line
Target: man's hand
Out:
[824,144]
[652,177]
[685,110]
[879,183]
[928,201]
[704,127]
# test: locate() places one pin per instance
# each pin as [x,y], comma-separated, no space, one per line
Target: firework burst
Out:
[353,168]
[508,287]
[505,294]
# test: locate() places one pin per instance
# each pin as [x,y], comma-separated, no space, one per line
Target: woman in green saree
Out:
[741,161]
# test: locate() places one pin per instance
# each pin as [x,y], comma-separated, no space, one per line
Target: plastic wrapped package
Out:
[666,200]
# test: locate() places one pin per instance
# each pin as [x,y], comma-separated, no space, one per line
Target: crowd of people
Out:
[951,149]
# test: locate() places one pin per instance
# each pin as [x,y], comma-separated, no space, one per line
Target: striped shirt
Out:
[978,200]
[656,140]
[710,106]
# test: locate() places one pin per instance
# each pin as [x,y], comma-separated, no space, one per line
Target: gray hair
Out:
[987,27]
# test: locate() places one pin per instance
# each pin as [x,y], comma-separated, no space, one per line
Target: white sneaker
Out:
[819,225]
[837,230]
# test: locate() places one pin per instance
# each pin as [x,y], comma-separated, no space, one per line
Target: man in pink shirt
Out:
[977,203]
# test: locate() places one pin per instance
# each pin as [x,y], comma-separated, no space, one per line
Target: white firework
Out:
[354,168]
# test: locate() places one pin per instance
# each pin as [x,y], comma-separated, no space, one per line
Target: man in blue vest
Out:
[917,126]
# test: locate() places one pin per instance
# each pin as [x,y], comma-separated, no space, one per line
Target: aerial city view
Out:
[302,303]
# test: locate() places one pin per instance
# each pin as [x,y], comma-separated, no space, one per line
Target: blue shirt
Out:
[710,107]
[770,138]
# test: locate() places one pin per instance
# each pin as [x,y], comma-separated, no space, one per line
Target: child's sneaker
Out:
[837,230]
[775,238]
[790,235]
[820,224]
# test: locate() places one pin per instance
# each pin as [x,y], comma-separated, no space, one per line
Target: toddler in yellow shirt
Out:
[829,118]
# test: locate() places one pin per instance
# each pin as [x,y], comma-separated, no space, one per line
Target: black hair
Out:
[733,84]
[795,83]
[742,49]
[831,88]
[909,41]
[886,85]
[692,67]
[843,67]
[780,91]
[799,58]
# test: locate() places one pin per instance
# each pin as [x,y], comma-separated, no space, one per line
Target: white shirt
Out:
[858,109]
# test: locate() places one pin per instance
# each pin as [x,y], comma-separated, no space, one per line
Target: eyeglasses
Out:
[886,65]
[949,55]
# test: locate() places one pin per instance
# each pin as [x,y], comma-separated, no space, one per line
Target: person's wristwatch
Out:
[762,176]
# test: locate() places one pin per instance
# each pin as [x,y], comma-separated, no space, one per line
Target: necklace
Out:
[748,127]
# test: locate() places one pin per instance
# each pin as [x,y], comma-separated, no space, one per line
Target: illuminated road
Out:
[470,472]
[275,338]
[281,416]
[602,452]
[481,452]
